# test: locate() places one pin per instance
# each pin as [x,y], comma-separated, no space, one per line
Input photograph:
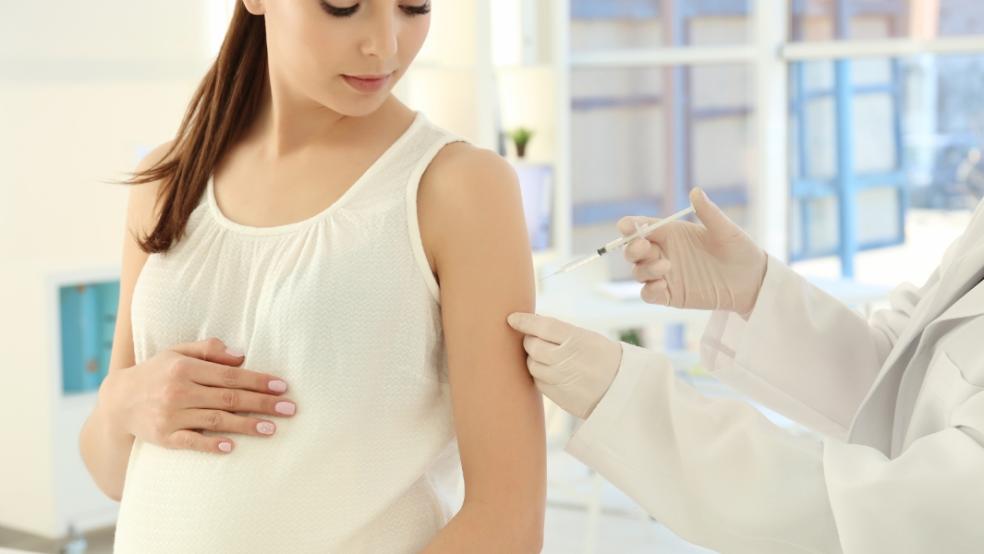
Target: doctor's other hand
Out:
[571,366]
[713,265]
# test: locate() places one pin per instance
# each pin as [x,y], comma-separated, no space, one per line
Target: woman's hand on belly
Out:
[170,398]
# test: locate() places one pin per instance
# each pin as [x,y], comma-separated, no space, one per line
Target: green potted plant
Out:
[521,138]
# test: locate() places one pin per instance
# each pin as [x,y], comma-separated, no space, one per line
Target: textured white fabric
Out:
[344,306]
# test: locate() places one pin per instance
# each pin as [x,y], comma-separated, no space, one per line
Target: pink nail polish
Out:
[286,408]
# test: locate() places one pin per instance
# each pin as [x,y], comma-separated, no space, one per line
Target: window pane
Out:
[642,138]
[960,17]
[617,24]
[814,20]
[912,141]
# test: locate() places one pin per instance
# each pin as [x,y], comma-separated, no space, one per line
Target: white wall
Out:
[445,80]
[84,86]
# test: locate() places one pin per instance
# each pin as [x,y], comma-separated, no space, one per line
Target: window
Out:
[881,115]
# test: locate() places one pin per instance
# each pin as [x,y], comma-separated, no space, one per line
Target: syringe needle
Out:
[573,265]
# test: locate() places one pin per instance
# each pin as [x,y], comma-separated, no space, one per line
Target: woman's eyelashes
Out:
[422,9]
[336,11]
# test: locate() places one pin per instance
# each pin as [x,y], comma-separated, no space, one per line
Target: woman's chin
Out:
[358,105]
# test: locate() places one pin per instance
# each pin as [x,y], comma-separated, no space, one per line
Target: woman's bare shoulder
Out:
[462,160]
[467,187]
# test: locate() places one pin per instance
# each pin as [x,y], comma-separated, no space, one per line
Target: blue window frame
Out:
[847,181]
[682,115]
[807,186]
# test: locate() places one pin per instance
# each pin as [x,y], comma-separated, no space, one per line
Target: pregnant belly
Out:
[273,496]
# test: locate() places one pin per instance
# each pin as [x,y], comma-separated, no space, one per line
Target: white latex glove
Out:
[712,266]
[571,366]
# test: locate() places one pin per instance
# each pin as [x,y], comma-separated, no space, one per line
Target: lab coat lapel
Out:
[969,303]
[971,273]
[872,424]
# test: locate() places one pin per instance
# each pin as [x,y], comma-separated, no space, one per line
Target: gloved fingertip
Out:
[627,225]
[697,196]
[514,319]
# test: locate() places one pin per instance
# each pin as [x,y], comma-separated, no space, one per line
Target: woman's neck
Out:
[287,123]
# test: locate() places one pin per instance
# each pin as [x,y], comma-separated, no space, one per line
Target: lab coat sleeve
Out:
[715,471]
[802,352]
[721,475]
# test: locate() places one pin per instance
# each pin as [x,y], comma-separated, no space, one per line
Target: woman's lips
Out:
[367,83]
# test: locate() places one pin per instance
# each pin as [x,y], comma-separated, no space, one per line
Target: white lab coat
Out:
[898,399]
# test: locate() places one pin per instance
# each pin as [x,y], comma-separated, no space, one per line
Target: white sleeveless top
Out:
[344,306]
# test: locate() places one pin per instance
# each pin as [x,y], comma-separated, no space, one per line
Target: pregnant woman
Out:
[312,346]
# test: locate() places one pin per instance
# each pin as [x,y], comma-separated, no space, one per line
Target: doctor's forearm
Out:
[715,471]
[802,352]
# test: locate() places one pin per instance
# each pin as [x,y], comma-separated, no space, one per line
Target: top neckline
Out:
[297,225]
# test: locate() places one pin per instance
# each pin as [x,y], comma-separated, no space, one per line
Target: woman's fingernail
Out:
[265,427]
[286,408]
[225,446]
[277,385]
[234,352]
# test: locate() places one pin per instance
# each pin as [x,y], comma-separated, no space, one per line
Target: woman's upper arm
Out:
[473,226]
[140,221]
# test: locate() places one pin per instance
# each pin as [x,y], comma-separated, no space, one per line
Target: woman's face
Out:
[346,55]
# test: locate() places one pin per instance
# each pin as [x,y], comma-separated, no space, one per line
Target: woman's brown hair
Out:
[223,106]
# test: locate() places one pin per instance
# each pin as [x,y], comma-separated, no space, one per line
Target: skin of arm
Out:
[105,449]
[474,232]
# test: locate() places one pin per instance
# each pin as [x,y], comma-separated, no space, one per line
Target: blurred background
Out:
[845,135]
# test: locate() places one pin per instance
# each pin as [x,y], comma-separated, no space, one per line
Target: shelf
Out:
[585,103]
[663,56]
[606,212]
[588,103]
[593,10]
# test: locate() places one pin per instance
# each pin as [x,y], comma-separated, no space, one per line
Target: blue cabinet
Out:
[87,321]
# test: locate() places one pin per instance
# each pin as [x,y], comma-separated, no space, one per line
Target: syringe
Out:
[621,242]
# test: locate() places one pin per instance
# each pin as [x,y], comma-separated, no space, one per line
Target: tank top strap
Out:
[433,140]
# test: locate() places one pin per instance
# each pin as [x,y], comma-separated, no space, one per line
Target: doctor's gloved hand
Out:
[714,265]
[571,366]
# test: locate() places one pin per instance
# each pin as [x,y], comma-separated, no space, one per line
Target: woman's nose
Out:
[381,39]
